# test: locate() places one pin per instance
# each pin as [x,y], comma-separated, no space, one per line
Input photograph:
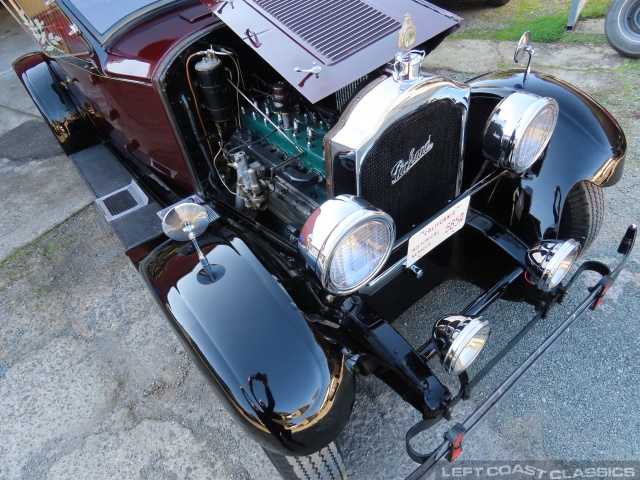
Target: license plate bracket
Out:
[437,231]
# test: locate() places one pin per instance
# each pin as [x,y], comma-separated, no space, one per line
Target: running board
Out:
[127,208]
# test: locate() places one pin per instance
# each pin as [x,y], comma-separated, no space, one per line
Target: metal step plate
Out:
[127,208]
[122,201]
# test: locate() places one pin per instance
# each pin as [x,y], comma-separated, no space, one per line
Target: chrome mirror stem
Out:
[185,222]
[524,46]
[206,266]
[531,51]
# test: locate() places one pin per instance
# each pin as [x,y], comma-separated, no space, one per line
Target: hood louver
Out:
[334,29]
[320,46]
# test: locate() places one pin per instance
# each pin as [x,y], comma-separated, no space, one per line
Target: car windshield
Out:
[104,14]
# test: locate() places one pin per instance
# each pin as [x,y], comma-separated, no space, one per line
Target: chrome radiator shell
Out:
[376,113]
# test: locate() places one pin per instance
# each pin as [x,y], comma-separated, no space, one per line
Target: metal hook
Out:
[253,37]
[316,69]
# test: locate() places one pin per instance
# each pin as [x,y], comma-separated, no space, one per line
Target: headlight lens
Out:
[549,261]
[519,129]
[535,138]
[346,241]
[359,254]
[459,340]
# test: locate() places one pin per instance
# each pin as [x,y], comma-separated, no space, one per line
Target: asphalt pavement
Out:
[94,384]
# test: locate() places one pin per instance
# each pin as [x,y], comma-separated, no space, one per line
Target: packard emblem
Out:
[401,168]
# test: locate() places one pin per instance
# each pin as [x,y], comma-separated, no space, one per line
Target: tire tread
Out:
[326,464]
[583,214]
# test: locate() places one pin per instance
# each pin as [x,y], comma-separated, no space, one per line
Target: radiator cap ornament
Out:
[407,62]
[408,34]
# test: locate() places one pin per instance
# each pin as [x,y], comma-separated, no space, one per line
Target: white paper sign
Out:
[437,231]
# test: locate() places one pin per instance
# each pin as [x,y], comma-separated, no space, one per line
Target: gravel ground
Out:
[94,384]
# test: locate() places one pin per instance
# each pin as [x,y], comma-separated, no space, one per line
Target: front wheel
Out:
[583,214]
[622,27]
[326,464]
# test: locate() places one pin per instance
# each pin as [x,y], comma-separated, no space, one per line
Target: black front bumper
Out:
[451,447]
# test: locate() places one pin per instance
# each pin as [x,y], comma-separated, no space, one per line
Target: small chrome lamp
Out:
[549,261]
[459,339]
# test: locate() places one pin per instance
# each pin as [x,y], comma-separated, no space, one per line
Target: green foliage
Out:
[525,8]
[545,21]
[595,9]
[15,267]
[585,38]
[547,28]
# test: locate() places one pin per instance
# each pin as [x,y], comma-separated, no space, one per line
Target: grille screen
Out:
[335,28]
[427,142]
[345,94]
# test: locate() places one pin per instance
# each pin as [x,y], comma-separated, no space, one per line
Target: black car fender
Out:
[285,384]
[39,75]
[587,144]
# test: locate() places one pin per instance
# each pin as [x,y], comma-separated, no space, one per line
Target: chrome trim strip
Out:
[328,138]
[385,277]
[88,67]
[463,138]
[444,12]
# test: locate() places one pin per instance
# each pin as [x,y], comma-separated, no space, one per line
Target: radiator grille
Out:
[345,94]
[431,182]
[335,28]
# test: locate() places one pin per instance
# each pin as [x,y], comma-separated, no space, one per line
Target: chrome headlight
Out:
[518,130]
[549,261]
[346,241]
[459,339]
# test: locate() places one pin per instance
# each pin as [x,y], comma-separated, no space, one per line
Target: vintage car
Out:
[314,182]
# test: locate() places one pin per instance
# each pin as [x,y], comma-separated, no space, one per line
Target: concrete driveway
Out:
[94,384]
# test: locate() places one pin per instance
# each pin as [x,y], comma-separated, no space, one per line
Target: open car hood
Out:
[335,41]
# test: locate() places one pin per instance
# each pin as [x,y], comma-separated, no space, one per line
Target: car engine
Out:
[265,148]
